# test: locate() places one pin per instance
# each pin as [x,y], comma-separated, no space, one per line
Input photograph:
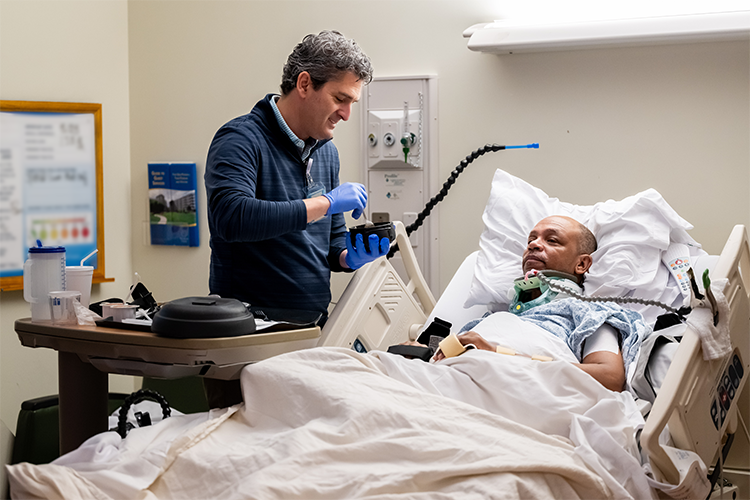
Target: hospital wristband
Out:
[539,357]
[510,352]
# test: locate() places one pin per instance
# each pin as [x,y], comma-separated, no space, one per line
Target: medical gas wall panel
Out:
[399,129]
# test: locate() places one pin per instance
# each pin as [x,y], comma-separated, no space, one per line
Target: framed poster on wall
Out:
[172,193]
[52,187]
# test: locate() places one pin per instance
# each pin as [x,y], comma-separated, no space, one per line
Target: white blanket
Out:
[332,423]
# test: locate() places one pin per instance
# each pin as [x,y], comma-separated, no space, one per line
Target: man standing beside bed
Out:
[275,204]
[600,338]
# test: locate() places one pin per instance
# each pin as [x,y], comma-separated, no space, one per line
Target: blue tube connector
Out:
[527,146]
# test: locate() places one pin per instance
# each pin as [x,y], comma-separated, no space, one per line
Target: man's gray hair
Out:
[325,57]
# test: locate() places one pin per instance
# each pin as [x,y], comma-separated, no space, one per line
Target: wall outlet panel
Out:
[401,183]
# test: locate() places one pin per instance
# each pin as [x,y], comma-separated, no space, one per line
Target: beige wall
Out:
[610,122]
[169,73]
[72,52]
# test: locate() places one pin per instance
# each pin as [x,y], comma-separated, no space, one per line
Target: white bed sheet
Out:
[332,423]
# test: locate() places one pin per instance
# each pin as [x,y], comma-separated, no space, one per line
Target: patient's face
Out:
[553,245]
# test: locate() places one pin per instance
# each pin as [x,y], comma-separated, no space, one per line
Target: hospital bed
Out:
[380,308]
[694,403]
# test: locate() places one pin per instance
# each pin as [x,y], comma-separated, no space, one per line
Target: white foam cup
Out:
[62,307]
[78,278]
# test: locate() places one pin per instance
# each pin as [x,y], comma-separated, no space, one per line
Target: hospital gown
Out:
[571,321]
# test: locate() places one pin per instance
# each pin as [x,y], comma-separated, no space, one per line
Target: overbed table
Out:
[86,354]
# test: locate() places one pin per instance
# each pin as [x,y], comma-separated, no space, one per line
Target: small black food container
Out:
[382,229]
[203,317]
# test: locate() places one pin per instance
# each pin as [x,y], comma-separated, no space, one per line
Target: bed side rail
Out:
[417,284]
[699,398]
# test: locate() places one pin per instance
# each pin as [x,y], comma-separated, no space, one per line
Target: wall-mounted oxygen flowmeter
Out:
[399,129]
[391,135]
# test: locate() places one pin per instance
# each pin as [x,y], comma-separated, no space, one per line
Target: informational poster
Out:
[48,193]
[172,192]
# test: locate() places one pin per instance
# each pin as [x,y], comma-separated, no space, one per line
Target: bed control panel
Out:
[727,390]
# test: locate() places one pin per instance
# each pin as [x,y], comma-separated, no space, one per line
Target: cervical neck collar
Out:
[521,293]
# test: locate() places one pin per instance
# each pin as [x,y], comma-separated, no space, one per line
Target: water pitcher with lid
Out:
[43,272]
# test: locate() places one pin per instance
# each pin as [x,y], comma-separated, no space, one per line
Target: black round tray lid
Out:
[203,317]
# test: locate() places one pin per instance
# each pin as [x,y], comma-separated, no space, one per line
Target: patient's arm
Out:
[607,368]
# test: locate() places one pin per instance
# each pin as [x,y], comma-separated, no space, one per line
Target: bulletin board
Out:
[52,184]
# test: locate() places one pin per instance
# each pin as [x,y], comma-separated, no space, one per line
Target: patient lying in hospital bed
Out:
[548,323]
[335,423]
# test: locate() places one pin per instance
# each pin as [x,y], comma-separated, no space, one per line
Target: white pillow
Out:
[632,235]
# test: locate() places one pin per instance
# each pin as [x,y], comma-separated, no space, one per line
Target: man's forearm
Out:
[316,207]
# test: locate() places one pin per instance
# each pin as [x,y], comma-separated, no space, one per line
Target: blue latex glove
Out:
[348,196]
[358,257]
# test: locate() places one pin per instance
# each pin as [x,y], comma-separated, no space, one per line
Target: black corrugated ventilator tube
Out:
[489,148]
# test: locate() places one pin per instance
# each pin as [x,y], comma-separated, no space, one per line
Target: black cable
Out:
[489,148]
[135,398]
[719,467]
